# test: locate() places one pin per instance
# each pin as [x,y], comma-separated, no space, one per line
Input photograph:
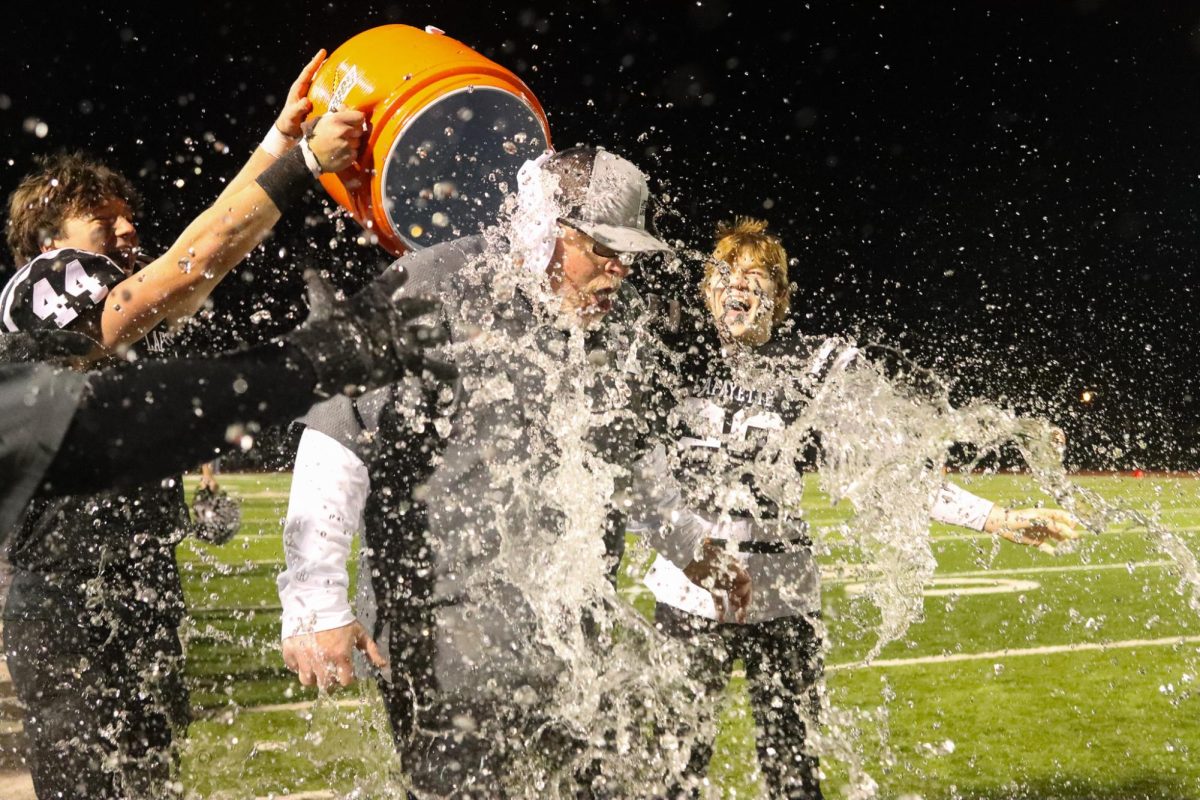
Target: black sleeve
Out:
[161,417]
[37,403]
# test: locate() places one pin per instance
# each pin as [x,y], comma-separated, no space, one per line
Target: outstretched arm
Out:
[113,442]
[1036,527]
[188,409]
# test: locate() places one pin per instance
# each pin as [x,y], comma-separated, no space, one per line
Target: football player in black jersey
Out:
[72,203]
[92,611]
[763,595]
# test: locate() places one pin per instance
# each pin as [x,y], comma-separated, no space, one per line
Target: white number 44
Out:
[47,302]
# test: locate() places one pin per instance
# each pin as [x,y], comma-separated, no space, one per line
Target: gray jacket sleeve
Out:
[345,420]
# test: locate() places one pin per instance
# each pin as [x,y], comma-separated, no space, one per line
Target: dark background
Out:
[1007,189]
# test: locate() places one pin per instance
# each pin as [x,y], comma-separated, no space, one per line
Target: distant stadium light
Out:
[1087,396]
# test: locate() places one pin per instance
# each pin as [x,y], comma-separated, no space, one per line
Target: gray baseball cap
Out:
[606,198]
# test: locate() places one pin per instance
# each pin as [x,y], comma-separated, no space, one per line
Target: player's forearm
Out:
[180,281]
[259,160]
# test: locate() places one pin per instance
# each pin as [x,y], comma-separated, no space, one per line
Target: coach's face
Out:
[107,229]
[585,274]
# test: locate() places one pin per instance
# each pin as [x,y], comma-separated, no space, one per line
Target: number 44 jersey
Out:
[59,289]
[64,544]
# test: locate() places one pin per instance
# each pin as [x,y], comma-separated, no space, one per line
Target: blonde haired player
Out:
[740,586]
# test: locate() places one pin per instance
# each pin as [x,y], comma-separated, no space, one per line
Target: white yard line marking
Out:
[840,573]
[278,535]
[223,712]
[233,609]
[1048,650]
[882,663]
[947,585]
[1115,531]
[939,538]
[1065,568]
[829,573]
[307,705]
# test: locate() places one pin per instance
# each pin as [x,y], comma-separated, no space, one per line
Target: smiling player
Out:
[763,598]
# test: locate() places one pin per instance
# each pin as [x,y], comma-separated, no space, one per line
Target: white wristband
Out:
[954,505]
[276,142]
[310,159]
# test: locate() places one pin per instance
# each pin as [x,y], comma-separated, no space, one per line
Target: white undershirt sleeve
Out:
[954,505]
[325,508]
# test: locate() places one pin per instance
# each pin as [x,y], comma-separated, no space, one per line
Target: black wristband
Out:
[286,179]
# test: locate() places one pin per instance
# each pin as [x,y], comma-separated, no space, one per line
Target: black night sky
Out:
[1007,189]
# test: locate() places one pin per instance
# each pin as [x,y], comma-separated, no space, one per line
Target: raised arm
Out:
[175,284]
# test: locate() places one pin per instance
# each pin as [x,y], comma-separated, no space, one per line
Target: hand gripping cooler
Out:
[448,131]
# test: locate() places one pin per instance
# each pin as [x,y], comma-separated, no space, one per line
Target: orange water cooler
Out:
[449,130]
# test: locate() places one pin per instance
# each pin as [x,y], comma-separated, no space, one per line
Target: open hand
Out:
[1042,528]
[297,107]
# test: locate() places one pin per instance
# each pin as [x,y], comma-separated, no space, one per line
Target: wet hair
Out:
[747,238]
[61,186]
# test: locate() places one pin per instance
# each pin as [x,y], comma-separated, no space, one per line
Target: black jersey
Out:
[733,400]
[124,538]
[731,405]
[61,289]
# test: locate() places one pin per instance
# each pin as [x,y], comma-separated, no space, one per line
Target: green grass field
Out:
[1074,678]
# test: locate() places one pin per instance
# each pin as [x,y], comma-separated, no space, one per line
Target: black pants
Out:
[102,706]
[783,666]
